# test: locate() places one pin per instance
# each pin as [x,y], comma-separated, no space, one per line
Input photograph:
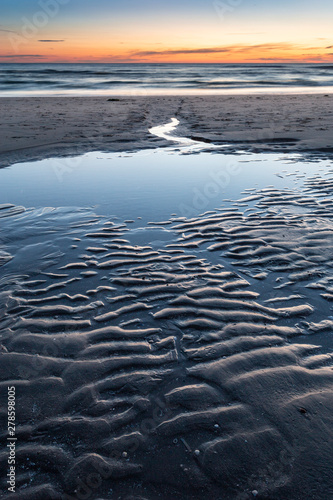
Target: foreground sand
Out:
[151,364]
[32,128]
[190,358]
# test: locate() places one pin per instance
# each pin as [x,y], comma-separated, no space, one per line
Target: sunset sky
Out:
[172,31]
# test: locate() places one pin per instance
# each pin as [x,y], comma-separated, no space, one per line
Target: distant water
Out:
[158,78]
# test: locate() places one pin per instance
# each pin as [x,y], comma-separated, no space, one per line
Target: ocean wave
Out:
[21,77]
[327,66]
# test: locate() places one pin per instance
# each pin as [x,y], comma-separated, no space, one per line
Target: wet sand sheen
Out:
[167,364]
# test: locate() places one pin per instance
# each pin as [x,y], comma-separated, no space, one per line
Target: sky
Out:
[174,31]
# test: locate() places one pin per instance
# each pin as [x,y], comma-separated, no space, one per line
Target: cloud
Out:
[6,56]
[247,33]
[218,50]
[263,46]
[51,41]
[329,47]
[180,51]
[8,31]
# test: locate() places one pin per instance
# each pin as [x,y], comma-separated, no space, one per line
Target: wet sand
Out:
[34,128]
[190,358]
[179,367]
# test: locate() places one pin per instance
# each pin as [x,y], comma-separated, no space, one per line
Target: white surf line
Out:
[165,132]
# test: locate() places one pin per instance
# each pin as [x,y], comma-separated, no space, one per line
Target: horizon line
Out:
[165,63]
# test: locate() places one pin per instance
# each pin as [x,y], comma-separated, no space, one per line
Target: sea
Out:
[147,79]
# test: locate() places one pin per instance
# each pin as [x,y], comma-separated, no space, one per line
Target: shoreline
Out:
[172,92]
[34,128]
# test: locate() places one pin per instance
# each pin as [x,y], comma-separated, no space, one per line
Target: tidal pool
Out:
[152,184]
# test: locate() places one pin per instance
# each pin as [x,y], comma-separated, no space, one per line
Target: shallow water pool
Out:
[151,184]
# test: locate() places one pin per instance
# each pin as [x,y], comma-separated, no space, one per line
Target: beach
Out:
[166,305]
[38,127]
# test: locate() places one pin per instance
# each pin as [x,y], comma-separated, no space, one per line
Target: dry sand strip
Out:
[38,127]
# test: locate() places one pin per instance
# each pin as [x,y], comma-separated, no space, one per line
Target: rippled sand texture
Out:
[177,368]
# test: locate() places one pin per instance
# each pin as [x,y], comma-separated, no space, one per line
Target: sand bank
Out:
[38,127]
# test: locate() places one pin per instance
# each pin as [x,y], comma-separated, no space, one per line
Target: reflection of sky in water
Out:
[152,184]
[166,132]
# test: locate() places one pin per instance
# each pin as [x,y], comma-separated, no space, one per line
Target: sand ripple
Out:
[171,370]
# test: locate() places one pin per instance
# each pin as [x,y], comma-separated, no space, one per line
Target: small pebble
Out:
[124,454]
[254,493]
[197,453]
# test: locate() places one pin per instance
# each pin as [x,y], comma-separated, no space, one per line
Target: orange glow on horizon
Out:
[240,54]
[168,33]
[95,49]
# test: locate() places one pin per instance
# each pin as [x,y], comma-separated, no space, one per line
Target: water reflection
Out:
[152,184]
